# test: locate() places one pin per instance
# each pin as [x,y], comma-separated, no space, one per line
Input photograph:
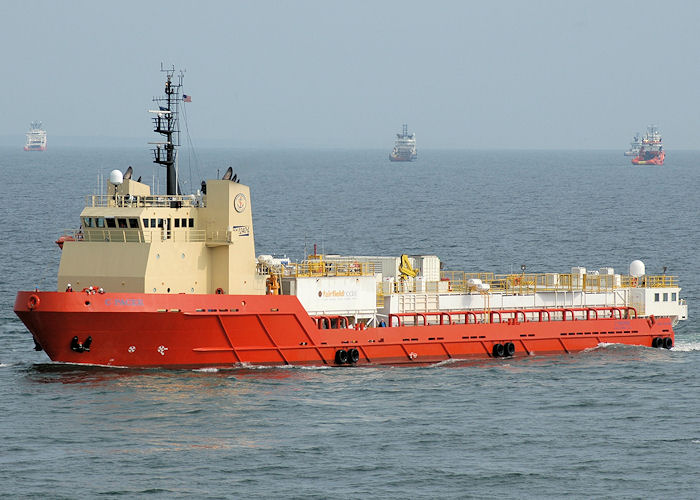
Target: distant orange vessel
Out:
[651,151]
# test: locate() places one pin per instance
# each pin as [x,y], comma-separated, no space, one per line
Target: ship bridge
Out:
[133,241]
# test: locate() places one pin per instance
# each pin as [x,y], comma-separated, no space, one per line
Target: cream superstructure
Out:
[132,241]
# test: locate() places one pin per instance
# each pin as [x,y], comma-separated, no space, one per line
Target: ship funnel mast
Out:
[166,123]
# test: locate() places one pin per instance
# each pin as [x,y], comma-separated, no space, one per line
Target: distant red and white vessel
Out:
[651,150]
[172,280]
[36,138]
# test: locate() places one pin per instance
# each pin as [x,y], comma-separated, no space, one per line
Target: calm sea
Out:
[614,421]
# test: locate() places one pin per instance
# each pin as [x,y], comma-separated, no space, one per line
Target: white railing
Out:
[131,201]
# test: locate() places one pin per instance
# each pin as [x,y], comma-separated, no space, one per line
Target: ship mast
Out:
[166,123]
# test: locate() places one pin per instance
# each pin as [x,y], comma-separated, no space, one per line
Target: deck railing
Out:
[131,201]
[511,316]
[318,268]
[527,283]
[116,235]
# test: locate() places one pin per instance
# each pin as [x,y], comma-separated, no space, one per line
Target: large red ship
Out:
[172,280]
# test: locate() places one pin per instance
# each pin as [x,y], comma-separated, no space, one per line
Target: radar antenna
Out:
[166,123]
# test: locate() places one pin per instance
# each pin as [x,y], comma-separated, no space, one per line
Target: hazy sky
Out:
[489,74]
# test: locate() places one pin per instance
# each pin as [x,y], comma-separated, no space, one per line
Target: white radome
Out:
[265,259]
[116,177]
[637,268]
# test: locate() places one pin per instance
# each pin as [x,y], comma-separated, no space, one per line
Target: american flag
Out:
[186,98]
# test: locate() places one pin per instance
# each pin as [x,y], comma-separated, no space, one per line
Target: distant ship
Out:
[635,145]
[651,151]
[36,138]
[404,147]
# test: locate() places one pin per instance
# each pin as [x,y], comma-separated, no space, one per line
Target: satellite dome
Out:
[265,259]
[116,177]
[637,268]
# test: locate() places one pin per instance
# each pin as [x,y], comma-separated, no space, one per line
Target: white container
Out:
[429,266]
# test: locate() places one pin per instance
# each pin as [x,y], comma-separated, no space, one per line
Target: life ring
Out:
[219,291]
[33,302]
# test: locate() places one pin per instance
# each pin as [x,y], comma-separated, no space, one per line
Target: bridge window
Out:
[656,297]
[134,223]
[177,222]
[673,297]
[121,223]
[665,297]
[145,222]
[191,222]
[184,222]
[87,221]
[110,222]
[100,222]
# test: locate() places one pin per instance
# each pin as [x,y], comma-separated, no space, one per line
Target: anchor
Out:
[77,346]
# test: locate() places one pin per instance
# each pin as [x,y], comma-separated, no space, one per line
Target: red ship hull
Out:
[654,160]
[186,331]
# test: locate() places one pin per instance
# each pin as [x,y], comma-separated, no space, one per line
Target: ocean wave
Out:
[249,366]
[686,345]
[445,362]
[679,346]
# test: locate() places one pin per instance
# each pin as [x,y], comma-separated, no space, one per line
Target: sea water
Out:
[614,421]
